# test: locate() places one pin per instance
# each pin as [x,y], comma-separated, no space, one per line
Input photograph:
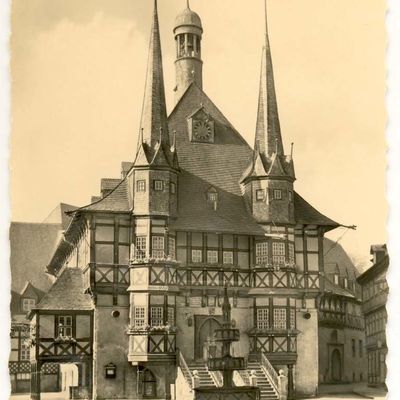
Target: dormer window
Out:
[336,279]
[28,304]
[346,283]
[260,194]
[212,196]
[277,194]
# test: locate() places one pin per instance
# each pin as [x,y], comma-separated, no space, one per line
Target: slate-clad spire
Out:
[154,113]
[268,131]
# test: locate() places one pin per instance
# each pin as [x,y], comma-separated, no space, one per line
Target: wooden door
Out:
[336,366]
[205,330]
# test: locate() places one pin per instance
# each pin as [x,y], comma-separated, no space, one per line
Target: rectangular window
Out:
[105,253]
[292,318]
[139,316]
[228,257]
[64,325]
[140,248]
[336,279]
[360,349]
[261,253]
[353,347]
[196,256]
[158,185]
[171,247]
[280,318]
[290,195]
[23,376]
[141,186]
[277,194]
[171,316]
[25,352]
[28,304]
[291,253]
[260,194]
[157,246]
[172,187]
[262,318]
[212,256]
[156,316]
[212,196]
[278,253]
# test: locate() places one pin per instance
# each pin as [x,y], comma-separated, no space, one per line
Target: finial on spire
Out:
[291,149]
[187,4]
[141,136]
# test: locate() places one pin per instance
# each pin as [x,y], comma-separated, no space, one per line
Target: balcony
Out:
[151,345]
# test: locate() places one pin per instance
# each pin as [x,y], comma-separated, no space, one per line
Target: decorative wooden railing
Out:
[106,274]
[185,370]
[159,274]
[269,370]
[272,343]
[144,343]
[50,348]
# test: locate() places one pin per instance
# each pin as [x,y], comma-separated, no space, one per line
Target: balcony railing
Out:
[154,343]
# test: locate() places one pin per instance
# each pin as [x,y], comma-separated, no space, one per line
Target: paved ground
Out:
[327,392]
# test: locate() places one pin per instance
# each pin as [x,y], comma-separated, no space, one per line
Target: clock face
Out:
[202,130]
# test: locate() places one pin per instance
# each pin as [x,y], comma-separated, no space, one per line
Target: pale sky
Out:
[78,71]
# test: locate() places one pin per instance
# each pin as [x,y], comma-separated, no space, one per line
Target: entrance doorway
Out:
[336,366]
[204,328]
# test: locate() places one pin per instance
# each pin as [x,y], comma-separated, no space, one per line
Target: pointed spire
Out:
[154,112]
[268,131]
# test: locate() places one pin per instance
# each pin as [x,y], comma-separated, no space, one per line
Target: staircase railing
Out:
[215,375]
[185,370]
[270,372]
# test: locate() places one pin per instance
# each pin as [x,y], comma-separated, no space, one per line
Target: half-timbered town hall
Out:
[140,272]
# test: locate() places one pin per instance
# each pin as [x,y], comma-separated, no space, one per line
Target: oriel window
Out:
[157,247]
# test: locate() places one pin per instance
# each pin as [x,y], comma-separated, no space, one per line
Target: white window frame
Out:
[262,252]
[212,256]
[280,318]
[172,247]
[64,325]
[28,304]
[227,257]
[278,253]
[140,247]
[260,194]
[139,316]
[158,185]
[157,246]
[156,315]
[263,318]
[141,185]
[197,256]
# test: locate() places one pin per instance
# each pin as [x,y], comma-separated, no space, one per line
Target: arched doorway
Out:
[205,331]
[336,366]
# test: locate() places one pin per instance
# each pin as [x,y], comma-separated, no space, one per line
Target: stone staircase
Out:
[204,375]
[267,392]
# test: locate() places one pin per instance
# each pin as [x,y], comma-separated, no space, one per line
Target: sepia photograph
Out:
[198,200]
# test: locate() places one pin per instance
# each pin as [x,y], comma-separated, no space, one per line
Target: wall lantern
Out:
[110,371]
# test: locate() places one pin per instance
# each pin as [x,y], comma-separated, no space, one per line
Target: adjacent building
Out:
[374,296]
[31,246]
[140,271]
[341,326]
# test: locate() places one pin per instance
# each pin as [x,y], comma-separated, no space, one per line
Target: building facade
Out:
[341,326]
[140,271]
[374,296]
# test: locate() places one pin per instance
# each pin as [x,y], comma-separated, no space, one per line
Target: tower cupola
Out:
[188,31]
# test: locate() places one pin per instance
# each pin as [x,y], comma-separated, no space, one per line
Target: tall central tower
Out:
[188,64]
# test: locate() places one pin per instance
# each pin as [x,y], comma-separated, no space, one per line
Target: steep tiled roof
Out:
[67,293]
[203,165]
[108,184]
[306,214]
[332,288]
[31,247]
[337,260]
[117,200]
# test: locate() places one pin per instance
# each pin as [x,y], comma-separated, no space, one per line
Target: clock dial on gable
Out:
[201,127]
